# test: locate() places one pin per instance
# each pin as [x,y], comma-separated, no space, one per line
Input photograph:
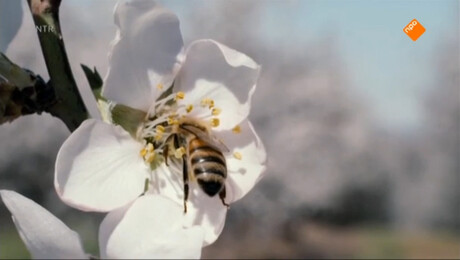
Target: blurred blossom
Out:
[102,167]
[122,234]
[44,235]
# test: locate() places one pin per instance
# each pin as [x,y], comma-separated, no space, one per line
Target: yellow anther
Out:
[189,108]
[158,136]
[211,103]
[237,155]
[236,129]
[215,122]
[216,111]
[179,152]
[172,121]
[180,95]
[150,147]
[207,102]
[160,128]
[150,157]
[143,152]
[160,86]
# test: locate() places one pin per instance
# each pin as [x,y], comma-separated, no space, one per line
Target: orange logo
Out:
[414,30]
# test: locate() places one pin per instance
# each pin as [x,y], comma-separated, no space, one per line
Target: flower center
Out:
[163,119]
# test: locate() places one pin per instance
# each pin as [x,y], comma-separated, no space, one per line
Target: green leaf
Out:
[95,81]
[14,74]
[127,117]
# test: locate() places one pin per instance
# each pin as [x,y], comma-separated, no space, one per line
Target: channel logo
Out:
[414,30]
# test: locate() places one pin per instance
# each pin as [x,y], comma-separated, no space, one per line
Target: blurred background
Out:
[361,124]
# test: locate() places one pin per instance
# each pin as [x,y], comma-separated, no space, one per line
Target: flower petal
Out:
[246,171]
[212,70]
[202,210]
[146,52]
[152,227]
[45,236]
[207,212]
[98,168]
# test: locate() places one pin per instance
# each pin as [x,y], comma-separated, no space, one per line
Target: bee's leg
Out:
[166,153]
[222,195]
[176,141]
[166,148]
[185,175]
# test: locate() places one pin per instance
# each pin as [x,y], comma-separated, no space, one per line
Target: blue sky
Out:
[386,66]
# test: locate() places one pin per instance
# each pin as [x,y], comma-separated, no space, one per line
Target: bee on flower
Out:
[184,133]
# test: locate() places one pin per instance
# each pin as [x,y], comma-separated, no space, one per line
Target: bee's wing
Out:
[208,138]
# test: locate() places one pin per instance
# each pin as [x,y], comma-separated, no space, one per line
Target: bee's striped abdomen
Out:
[207,166]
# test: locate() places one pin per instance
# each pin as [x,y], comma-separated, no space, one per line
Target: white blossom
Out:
[122,234]
[102,166]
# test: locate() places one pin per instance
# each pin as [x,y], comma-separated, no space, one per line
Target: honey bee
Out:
[202,161]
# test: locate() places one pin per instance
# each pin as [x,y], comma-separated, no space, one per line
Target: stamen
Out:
[211,103]
[237,155]
[160,128]
[216,111]
[179,152]
[160,86]
[172,121]
[159,105]
[207,102]
[150,157]
[158,137]
[179,95]
[215,122]
[236,129]
[143,152]
[150,147]
[189,108]
[152,124]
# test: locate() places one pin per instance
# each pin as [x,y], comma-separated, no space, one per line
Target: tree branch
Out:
[69,106]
